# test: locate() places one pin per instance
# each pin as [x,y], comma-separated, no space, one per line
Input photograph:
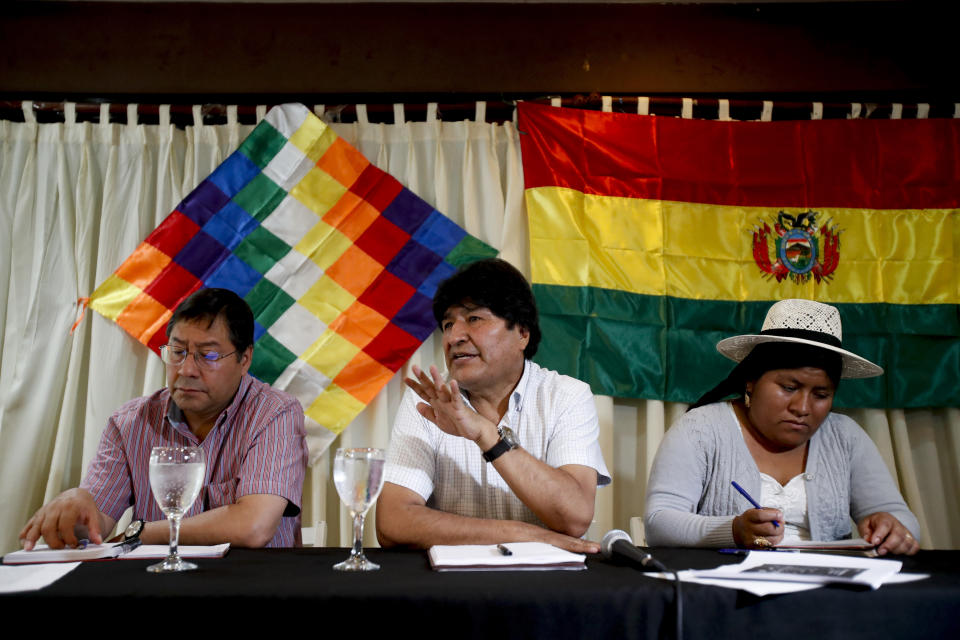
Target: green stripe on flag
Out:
[632,345]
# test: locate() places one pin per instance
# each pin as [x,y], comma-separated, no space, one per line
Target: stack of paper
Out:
[524,556]
[815,568]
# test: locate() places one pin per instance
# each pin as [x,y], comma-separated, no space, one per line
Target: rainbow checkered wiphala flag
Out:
[338,261]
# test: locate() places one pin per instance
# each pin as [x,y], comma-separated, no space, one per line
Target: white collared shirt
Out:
[554,418]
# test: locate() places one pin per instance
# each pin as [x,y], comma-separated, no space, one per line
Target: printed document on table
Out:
[816,568]
[766,587]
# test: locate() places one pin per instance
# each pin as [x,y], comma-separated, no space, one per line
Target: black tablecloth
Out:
[299,592]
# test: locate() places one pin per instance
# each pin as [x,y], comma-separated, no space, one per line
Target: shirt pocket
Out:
[221,493]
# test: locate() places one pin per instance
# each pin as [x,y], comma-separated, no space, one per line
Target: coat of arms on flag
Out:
[338,261]
[796,250]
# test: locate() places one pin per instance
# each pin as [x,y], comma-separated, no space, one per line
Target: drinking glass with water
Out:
[358,476]
[176,475]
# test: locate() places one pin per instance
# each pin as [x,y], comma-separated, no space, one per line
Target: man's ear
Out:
[524,335]
[246,358]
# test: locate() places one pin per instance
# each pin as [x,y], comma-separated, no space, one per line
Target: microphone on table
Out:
[617,544]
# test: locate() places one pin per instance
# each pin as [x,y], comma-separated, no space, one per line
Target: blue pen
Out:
[752,501]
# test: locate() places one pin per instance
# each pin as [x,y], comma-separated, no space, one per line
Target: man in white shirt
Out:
[505,451]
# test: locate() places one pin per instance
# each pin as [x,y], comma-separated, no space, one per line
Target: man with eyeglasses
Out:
[252,435]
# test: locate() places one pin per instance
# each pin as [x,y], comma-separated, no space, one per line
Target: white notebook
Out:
[43,554]
[525,556]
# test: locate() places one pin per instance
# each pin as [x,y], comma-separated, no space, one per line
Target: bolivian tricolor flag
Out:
[652,238]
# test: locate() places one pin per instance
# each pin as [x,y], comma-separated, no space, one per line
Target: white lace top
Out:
[792,501]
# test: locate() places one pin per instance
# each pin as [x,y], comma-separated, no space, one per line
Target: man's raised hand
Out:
[443,405]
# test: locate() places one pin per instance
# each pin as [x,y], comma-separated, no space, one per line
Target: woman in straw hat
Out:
[812,469]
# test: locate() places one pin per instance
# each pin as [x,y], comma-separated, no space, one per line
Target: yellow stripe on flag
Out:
[705,251]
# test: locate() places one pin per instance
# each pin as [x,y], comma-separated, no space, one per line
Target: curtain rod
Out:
[502,110]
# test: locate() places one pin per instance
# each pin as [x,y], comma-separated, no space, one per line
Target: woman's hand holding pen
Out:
[756,528]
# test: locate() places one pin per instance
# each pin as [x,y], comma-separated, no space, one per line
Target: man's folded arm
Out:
[561,489]
[403,519]
[251,521]
[562,498]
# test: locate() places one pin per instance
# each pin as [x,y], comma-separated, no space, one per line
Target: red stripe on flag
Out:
[876,164]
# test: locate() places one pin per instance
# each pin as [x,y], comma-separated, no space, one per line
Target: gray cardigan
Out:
[690,501]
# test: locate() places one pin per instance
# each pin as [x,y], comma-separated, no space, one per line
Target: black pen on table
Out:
[502,548]
[752,501]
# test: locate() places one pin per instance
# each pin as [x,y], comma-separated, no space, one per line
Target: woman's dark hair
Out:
[210,304]
[498,286]
[768,356]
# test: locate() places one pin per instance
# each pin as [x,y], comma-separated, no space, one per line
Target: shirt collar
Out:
[517,395]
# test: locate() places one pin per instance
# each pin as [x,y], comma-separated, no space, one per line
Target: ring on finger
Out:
[761,543]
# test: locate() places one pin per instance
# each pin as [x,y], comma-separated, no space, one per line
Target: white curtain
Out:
[77,198]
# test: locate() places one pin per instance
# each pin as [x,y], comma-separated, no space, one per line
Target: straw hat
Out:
[803,322]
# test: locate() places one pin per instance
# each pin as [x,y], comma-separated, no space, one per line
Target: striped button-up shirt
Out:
[258,445]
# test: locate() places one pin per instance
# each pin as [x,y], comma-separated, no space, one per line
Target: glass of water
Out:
[358,475]
[176,475]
